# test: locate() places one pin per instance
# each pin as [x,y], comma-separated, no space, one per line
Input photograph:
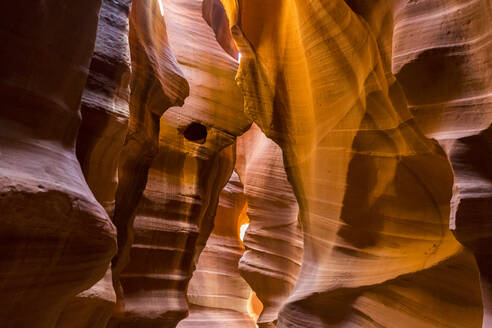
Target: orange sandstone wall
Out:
[373,191]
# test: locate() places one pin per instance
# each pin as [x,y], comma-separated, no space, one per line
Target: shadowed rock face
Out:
[101,136]
[56,239]
[273,240]
[446,74]
[214,14]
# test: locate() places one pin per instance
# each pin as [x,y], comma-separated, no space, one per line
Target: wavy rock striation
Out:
[136,110]
[217,294]
[273,240]
[56,239]
[157,83]
[443,59]
[105,113]
[194,161]
[373,191]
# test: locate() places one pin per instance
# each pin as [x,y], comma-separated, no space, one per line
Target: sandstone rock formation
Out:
[157,83]
[56,239]
[217,294]
[443,59]
[181,120]
[101,136]
[373,192]
[273,240]
[194,161]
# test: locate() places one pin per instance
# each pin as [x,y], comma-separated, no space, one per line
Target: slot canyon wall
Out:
[56,238]
[273,240]
[138,139]
[374,193]
[217,294]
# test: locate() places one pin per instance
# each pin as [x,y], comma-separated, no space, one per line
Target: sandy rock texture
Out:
[373,191]
[217,294]
[443,59]
[273,240]
[56,239]
[194,161]
[105,113]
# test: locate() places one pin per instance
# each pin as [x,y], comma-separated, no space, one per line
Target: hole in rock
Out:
[196,132]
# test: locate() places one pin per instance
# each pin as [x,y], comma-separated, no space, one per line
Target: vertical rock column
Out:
[194,161]
[273,240]
[105,115]
[373,191]
[217,294]
[56,239]
[157,83]
[164,235]
[443,59]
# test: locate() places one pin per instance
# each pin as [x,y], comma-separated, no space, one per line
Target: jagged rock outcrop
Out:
[194,161]
[217,294]
[443,59]
[273,240]
[373,191]
[56,239]
[101,136]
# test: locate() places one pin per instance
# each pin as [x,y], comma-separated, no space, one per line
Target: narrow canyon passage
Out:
[246,163]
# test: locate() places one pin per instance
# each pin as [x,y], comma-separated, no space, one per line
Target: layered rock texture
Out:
[193,162]
[217,294]
[56,239]
[446,75]
[105,113]
[273,240]
[137,138]
[373,191]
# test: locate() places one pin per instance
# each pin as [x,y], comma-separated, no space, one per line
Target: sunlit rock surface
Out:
[194,161]
[443,59]
[56,239]
[373,191]
[273,240]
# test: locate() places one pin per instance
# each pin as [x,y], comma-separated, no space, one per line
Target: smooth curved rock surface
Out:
[194,161]
[346,93]
[373,191]
[214,14]
[217,294]
[174,205]
[443,59]
[101,136]
[273,240]
[56,239]
[157,83]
